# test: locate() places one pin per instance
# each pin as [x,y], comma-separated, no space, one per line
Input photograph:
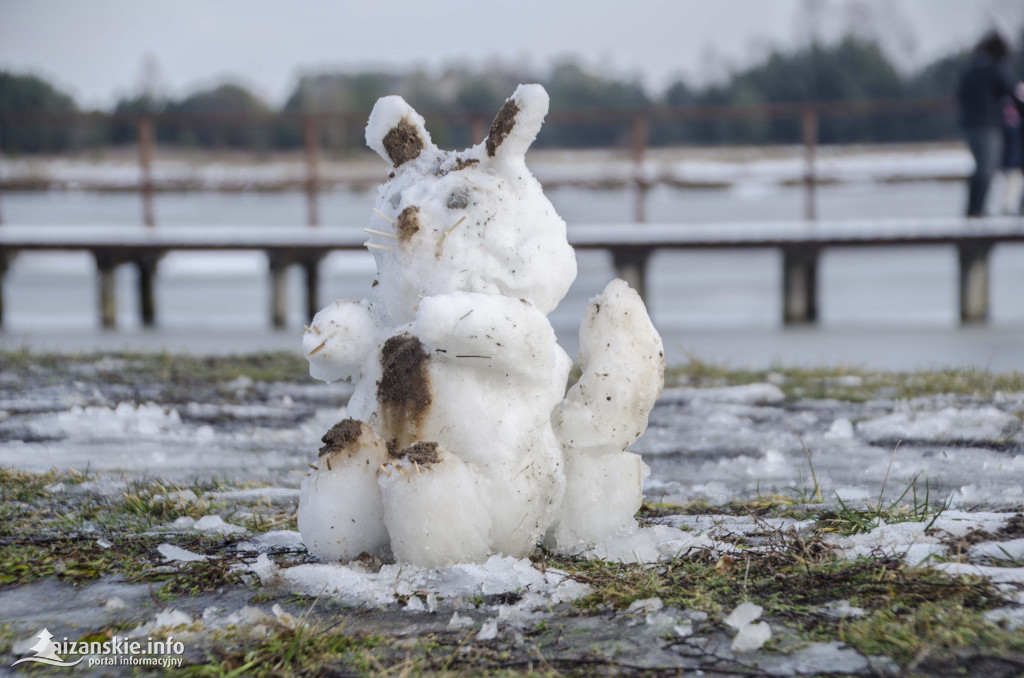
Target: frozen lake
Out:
[885,308]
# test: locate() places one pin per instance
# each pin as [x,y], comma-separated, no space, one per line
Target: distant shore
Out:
[116,169]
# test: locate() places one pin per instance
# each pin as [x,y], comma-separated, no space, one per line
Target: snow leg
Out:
[434,508]
[340,511]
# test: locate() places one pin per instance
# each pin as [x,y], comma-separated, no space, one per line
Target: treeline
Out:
[852,69]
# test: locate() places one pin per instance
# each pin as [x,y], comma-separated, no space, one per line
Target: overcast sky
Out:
[96,48]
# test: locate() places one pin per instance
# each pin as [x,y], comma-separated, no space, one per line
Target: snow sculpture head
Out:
[460,439]
[473,220]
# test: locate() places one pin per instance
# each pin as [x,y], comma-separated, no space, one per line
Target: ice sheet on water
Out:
[950,425]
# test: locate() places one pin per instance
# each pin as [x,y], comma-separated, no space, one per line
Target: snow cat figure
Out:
[460,440]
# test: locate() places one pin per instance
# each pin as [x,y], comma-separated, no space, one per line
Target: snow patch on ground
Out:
[1000,575]
[749,394]
[903,540]
[952,425]
[352,584]
[1000,550]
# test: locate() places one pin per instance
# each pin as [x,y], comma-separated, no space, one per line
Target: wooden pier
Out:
[631,247]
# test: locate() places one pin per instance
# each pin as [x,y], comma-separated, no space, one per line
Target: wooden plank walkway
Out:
[631,246]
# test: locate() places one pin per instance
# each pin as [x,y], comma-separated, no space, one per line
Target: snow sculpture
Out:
[461,440]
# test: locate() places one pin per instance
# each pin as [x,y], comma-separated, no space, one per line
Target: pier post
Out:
[1,182]
[631,265]
[146,168]
[974,282]
[278,290]
[638,135]
[809,132]
[147,303]
[3,275]
[106,266]
[799,285]
[312,268]
[311,146]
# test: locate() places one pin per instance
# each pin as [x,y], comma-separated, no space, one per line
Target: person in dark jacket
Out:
[984,86]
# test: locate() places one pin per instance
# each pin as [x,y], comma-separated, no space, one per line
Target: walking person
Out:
[1013,160]
[984,85]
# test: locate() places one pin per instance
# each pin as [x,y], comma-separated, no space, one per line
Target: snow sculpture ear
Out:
[396,131]
[517,123]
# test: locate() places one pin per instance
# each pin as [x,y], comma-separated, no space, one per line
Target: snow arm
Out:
[339,339]
[500,332]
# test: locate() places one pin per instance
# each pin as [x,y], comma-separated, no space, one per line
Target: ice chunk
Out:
[114,603]
[743,615]
[645,606]
[842,608]
[751,637]
[176,553]
[216,525]
[489,631]
[458,621]
[840,429]
[166,619]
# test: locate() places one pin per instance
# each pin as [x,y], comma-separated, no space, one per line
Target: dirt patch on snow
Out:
[408,223]
[403,143]
[404,388]
[341,436]
[421,453]
[503,124]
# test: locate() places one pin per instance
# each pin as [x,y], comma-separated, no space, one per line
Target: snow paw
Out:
[340,511]
[434,507]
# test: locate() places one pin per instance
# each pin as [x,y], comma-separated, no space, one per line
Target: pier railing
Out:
[807,117]
[631,247]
